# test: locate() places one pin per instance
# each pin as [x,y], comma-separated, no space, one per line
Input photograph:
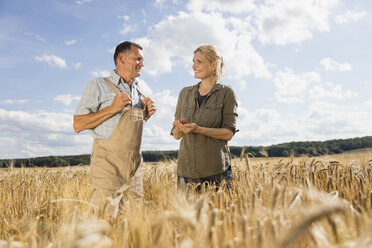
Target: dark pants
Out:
[214,179]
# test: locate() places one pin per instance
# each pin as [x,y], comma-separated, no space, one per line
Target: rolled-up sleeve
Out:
[229,112]
[89,102]
[177,114]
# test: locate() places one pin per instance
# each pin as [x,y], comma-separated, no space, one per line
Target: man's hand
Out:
[120,101]
[151,108]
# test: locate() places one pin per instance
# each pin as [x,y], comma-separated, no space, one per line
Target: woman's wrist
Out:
[198,130]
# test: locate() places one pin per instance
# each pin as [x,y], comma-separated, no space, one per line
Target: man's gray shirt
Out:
[98,95]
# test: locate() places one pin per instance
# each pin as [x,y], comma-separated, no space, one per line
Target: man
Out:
[113,109]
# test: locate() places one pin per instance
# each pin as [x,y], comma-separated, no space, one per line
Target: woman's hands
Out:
[181,127]
[184,127]
[177,131]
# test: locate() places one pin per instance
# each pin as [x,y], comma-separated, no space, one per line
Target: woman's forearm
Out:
[217,133]
[177,134]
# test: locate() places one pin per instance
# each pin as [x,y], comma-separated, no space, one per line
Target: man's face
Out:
[133,62]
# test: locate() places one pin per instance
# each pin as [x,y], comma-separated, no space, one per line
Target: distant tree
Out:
[311,151]
[312,148]
[285,153]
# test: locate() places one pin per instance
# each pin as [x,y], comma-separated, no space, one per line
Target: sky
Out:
[301,69]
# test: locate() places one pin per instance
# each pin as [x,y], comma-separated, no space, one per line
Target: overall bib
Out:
[114,161]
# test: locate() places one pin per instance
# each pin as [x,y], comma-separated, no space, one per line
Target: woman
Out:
[205,119]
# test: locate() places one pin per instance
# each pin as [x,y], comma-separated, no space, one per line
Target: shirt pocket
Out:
[212,116]
[187,113]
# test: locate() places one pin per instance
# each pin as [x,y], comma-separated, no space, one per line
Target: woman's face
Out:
[202,67]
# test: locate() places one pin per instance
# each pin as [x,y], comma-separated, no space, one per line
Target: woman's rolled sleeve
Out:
[229,112]
[177,114]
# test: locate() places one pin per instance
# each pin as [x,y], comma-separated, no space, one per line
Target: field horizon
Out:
[298,149]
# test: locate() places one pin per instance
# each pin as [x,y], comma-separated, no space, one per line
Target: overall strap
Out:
[112,86]
[139,92]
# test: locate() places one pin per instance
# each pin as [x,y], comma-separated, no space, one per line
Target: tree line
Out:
[309,148]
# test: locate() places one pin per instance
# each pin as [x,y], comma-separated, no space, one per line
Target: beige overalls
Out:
[115,162]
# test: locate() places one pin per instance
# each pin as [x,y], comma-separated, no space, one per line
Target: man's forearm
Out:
[89,121]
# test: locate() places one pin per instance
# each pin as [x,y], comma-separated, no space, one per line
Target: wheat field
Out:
[273,202]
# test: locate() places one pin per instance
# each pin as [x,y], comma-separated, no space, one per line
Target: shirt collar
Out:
[116,79]
[216,87]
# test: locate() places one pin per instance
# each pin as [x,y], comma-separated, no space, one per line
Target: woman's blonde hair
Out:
[211,54]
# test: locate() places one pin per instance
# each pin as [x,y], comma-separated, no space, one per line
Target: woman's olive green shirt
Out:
[199,155]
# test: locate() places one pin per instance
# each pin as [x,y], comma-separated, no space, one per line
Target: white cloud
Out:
[242,84]
[100,73]
[76,65]
[69,42]
[264,126]
[291,21]
[155,138]
[244,60]
[160,3]
[166,106]
[126,29]
[111,50]
[9,148]
[14,101]
[66,99]
[331,65]
[368,103]
[125,18]
[349,16]
[52,60]
[328,120]
[157,130]
[80,2]
[105,36]
[232,6]
[37,36]
[144,88]
[153,50]
[291,87]
[30,134]
[330,90]
[175,38]
[320,121]
[40,120]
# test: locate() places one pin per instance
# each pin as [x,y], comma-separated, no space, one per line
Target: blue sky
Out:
[300,68]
